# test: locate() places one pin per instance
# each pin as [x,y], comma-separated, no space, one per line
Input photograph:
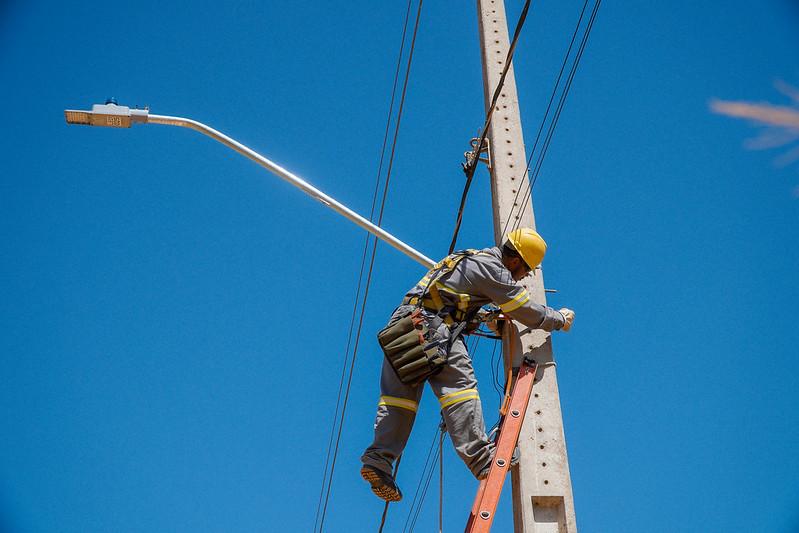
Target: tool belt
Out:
[413,349]
[416,342]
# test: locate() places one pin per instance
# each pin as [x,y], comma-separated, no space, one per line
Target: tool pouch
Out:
[412,348]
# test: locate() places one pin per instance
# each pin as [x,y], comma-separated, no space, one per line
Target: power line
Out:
[471,165]
[549,106]
[334,425]
[416,503]
[340,420]
[385,506]
[562,101]
[470,169]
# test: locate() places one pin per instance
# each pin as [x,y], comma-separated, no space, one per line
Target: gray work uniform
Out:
[476,280]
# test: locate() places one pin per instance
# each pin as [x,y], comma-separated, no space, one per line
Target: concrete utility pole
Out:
[542,492]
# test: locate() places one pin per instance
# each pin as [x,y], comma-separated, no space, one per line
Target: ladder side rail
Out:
[485,504]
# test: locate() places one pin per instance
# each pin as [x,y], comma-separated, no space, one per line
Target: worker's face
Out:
[518,268]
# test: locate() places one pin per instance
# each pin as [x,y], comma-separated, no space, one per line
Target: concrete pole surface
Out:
[542,492]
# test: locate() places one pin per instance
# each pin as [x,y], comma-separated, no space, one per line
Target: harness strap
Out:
[430,298]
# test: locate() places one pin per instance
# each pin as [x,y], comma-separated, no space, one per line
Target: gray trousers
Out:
[456,389]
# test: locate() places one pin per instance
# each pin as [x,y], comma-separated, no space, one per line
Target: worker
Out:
[423,342]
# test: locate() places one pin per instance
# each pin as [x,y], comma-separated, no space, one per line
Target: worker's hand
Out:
[489,316]
[568,314]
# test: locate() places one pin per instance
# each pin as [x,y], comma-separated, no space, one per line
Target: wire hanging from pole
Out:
[471,166]
[321,515]
[385,507]
[546,113]
[429,477]
[325,479]
[569,80]
[416,503]
[441,481]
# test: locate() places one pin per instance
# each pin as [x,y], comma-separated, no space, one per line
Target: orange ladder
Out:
[485,504]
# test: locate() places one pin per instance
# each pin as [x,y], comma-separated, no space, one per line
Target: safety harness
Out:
[412,344]
[430,298]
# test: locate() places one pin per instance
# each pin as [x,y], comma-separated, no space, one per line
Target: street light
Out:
[109,114]
[116,116]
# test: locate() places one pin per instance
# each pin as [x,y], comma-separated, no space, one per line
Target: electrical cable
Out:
[329,477]
[440,482]
[470,173]
[472,165]
[570,79]
[385,506]
[382,207]
[363,264]
[333,426]
[416,505]
[546,115]
[412,511]
[424,491]
[495,370]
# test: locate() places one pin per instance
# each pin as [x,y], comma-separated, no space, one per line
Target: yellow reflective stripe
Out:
[459,396]
[391,401]
[461,296]
[463,300]
[438,303]
[473,396]
[515,303]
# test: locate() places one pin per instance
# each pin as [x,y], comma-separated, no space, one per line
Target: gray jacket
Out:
[482,279]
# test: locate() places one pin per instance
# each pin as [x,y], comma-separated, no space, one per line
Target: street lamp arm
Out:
[115,116]
[295,180]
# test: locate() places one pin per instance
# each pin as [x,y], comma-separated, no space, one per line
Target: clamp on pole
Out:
[473,157]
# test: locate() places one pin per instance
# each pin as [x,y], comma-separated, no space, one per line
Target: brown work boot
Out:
[383,484]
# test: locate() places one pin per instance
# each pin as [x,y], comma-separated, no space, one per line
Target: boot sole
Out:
[379,487]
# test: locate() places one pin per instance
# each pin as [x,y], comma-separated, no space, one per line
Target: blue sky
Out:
[175,318]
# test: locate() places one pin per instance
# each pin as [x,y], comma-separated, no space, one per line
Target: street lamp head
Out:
[109,114]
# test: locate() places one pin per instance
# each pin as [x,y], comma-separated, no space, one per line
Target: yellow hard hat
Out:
[529,244]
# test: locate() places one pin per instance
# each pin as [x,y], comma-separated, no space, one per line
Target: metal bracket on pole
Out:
[472,157]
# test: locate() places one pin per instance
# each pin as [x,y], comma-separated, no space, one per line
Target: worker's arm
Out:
[493,281]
